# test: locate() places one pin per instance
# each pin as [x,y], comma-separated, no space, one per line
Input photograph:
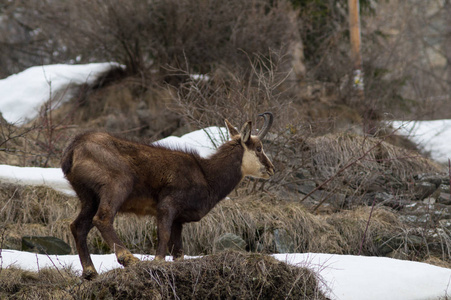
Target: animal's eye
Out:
[259,149]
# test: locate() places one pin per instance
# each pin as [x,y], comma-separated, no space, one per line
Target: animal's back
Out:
[98,157]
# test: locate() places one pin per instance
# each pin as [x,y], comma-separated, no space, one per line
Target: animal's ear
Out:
[231,128]
[246,131]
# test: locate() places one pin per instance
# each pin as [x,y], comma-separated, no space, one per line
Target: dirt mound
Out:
[227,275]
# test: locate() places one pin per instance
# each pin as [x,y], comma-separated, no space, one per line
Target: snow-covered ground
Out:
[343,276]
[22,94]
[433,137]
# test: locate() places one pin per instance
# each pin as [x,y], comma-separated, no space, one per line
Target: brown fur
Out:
[112,175]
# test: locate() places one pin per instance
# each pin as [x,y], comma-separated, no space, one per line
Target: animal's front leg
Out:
[175,242]
[164,234]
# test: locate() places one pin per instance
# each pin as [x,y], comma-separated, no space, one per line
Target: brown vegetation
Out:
[259,219]
[228,275]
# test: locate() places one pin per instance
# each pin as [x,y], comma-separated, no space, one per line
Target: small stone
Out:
[423,189]
[230,241]
[444,198]
[429,200]
[283,241]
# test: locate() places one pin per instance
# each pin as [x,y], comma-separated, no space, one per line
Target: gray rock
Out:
[45,245]
[375,184]
[303,174]
[430,200]
[394,244]
[423,189]
[419,213]
[444,198]
[435,178]
[329,200]
[230,241]
[283,242]
[385,199]
[444,188]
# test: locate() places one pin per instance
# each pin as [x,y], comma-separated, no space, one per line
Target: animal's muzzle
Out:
[271,171]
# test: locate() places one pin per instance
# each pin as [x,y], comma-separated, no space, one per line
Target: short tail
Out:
[66,160]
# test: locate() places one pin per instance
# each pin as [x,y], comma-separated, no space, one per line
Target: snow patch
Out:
[24,93]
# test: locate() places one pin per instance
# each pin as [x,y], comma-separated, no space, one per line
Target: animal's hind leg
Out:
[80,229]
[175,242]
[112,197]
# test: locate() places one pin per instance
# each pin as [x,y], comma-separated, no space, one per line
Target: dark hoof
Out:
[127,259]
[89,273]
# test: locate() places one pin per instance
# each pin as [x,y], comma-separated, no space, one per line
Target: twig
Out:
[367,225]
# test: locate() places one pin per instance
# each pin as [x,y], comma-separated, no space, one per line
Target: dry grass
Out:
[45,284]
[255,220]
[227,275]
[42,211]
[356,238]
[348,164]
[332,152]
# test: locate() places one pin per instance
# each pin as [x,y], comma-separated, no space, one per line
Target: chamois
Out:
[112,175]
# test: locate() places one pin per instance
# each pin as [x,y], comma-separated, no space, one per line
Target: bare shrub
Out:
[410,53]
[40,141]
[240,96]
[229,93]
[355,164]
[140,34]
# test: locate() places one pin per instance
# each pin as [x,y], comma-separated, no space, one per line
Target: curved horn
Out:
[268,116]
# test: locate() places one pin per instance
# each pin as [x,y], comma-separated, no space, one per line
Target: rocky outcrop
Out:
[45,245]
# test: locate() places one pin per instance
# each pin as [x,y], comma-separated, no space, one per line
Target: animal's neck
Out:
[223,170]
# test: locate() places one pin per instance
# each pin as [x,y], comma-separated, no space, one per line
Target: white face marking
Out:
[251,165]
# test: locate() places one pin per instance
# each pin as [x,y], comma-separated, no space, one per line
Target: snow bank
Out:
[373,278]
[23,94]
[50,177]
[204,141]
[343,277]
[432,136]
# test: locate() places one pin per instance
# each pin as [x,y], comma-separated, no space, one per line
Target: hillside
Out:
[347,182]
